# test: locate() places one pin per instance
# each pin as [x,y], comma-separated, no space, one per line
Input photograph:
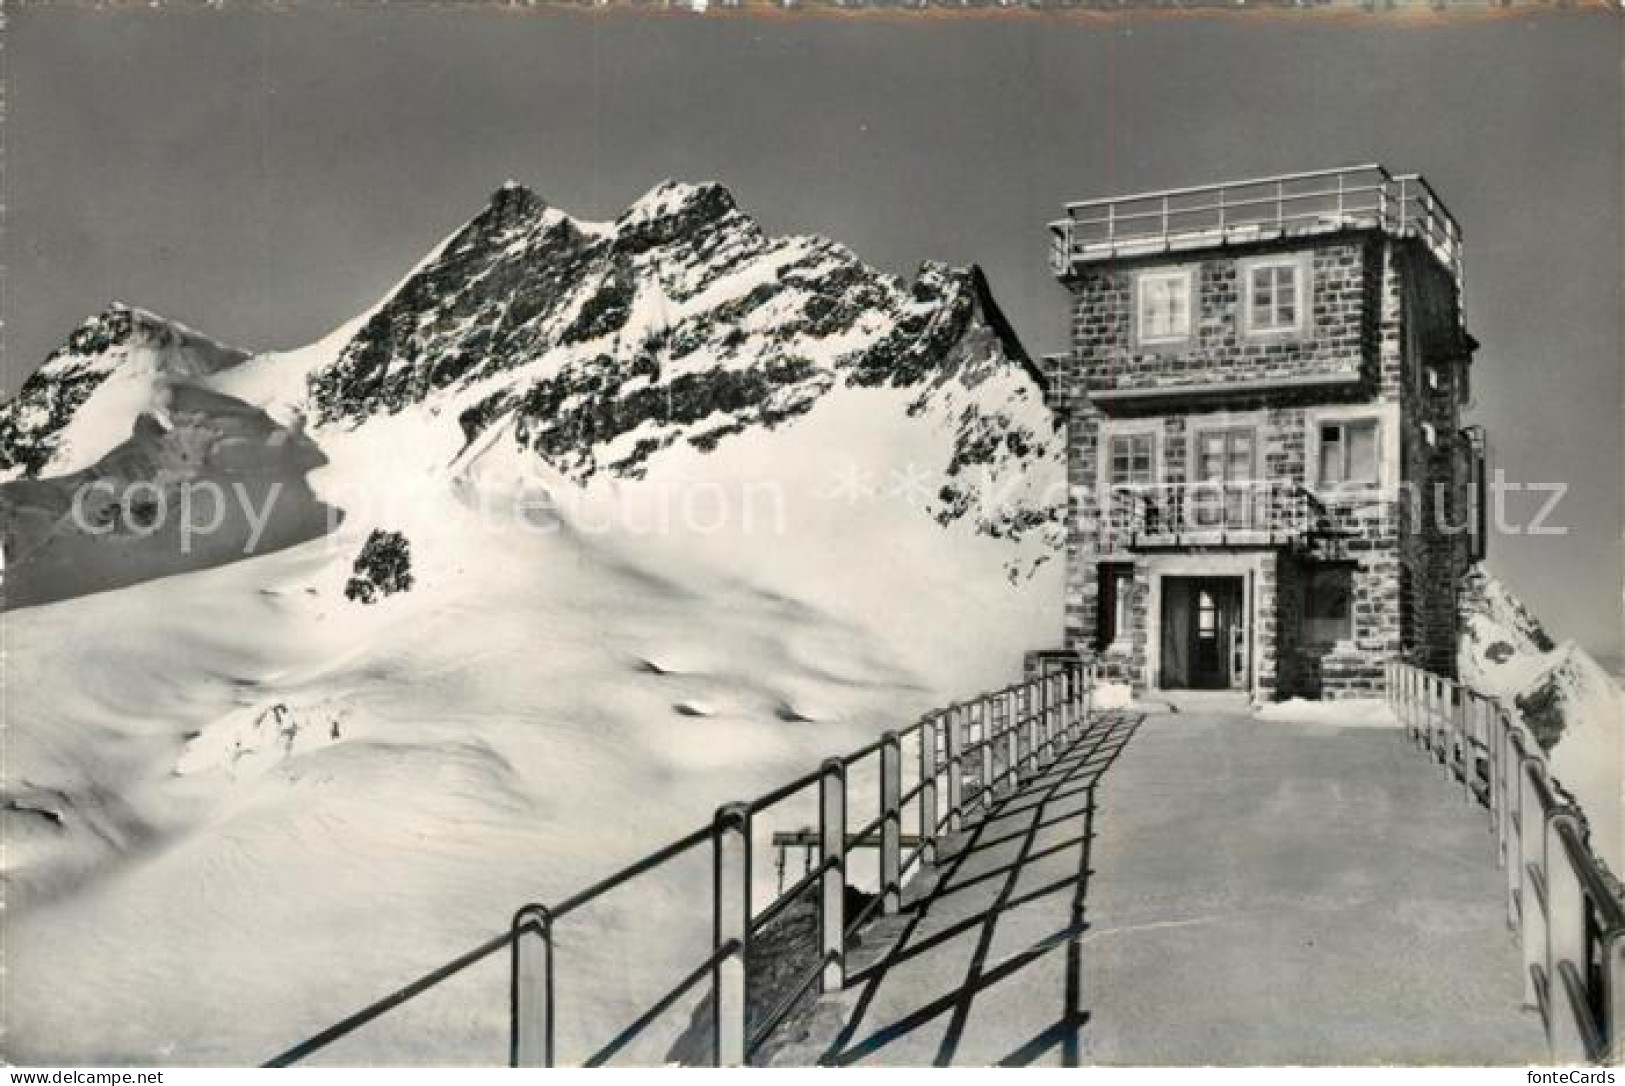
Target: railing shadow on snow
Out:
[964,756]
[1061,795]
[1570,922]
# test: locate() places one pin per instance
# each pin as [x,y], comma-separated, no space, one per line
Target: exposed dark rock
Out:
[383,568]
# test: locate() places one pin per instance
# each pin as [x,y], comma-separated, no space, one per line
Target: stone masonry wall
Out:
[1382,309]
[1421,329]
[1340,340]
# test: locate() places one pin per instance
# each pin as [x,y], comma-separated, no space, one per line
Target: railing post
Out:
[1512,849]
[995,749]
[1565,937]
[832,883]
[1397,687]
[1613,1021]
[1441,726]
[1431,685]
[986,770]
[957,720]
[1497,730]
[1046,717]
[1011,740]
[1424,712]
[1435,703]
[1402,681]
[891,823]
[1041,721]
[1413,706]
[1026,733]
[1086,695]
[1532,933]
[530,1007]
[1469,743]
[928,789]
[1408,678]
[1418,700]
[730,931]
[1058,731]
[1069,703]
[1492,751]
[1046,713]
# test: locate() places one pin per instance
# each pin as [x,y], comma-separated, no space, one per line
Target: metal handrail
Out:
[1161,510]
[1228,204]
[1188,190]
[1570,922]
[1031,717]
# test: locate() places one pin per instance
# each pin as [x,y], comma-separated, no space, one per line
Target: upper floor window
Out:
[1275,295]
[1348,452]
[1164,306]
[1133,461]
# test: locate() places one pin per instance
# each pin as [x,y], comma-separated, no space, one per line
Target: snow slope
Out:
[246,805]
[1566,696]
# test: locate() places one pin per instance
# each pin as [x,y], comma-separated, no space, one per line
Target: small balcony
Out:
[1262,209]
[1244,514]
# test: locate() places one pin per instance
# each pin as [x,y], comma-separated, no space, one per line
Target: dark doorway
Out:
[1204,635]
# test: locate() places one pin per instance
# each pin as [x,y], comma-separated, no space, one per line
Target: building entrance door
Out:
[1204,635]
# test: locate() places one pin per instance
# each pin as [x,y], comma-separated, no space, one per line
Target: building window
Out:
[1164,306]
[1225,469]
[1328,605]
[1275,296]
[1348,452]
[1116,596]
[1133,461]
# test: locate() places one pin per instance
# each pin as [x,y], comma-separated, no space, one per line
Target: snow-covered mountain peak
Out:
[679,324]
[123,345]
[605,350]
[684,202]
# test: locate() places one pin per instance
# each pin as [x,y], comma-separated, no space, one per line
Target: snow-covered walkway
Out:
[1199,888]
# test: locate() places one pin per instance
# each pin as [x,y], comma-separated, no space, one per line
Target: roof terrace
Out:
[1262,209]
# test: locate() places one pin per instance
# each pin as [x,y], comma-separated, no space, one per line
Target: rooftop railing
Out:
[1320,201]
[1570,922]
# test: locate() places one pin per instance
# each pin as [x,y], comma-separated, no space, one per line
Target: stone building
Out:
[1272,491]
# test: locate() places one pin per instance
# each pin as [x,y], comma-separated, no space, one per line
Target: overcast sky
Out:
[264,176]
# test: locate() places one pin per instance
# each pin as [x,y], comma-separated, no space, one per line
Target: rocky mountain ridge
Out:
[598,347]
